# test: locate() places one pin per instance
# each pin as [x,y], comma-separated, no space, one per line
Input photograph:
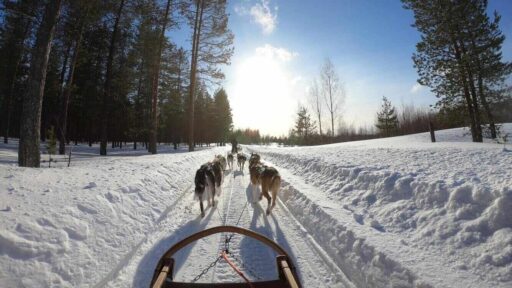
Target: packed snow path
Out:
[257,261]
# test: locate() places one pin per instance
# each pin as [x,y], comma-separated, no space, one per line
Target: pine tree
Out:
[106,102]
[223,117]
[304,126]
[387,120]
[17,25]
[459,55]
[28,153]
[211,46]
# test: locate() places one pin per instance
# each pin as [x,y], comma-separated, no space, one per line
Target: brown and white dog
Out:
[209,178]
[230,160]
[240,159]
[266,177]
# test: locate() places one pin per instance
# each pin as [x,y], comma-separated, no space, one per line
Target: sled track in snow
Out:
[180,219]
[315,267]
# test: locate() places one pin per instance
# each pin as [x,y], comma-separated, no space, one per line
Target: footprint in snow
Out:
[90,185]
[86,209]
[359,218]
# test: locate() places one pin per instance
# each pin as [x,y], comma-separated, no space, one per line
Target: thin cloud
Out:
[416,88]
[261,14]
[278,53]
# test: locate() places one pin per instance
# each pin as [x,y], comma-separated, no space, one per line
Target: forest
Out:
[110,72]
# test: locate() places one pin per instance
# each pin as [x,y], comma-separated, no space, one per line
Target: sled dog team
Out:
[210,176]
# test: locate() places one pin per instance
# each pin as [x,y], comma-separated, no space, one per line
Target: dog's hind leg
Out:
[201,205]
[275,184]
[213,196]
[264,191]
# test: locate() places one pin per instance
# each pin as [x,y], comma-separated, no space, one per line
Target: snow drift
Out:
[441,210]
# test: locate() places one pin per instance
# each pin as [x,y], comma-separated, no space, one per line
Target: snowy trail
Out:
[314,266]
[256,260]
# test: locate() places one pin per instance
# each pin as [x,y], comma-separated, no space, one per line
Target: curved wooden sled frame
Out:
[164,269]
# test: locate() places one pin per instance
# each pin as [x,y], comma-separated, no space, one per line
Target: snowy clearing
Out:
[396,212]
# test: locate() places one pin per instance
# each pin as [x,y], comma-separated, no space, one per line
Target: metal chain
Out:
[206,269]
[238,221]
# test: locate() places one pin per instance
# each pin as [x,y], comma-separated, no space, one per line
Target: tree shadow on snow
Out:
[146,268]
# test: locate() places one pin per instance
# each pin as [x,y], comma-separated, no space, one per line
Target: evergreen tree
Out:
[28,151]
[211,46]
[223,117]
[304,126]
[387,120]
[14,32]
[459,55]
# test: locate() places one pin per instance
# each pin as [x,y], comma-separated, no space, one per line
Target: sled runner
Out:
[163,276]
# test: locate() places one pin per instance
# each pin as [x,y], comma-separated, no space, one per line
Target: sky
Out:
[280,46]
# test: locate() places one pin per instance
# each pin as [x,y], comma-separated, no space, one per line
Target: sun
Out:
[261,94]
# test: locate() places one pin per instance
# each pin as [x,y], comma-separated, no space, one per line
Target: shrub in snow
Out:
[51,146]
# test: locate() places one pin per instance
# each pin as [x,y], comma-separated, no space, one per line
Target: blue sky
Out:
[281,45]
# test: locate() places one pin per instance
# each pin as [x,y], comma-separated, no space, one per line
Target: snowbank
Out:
[71,226]
[446,208]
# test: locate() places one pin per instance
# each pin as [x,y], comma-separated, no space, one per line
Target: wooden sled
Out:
[163,276]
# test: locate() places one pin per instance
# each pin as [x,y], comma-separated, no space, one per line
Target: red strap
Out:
[225,256]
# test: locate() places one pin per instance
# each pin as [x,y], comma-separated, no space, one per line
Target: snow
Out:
[394,212]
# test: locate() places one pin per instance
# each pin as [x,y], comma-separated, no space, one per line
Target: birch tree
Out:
[332,91]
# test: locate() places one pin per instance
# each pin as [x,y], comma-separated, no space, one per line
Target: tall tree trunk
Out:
[156,77]
[8,105]
[28,152]
[467,95]
[67,95]
[481,91]
[193,67]
[105,113]
[474,96]
[331,109]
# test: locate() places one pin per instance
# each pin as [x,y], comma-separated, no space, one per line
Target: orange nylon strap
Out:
[225,256]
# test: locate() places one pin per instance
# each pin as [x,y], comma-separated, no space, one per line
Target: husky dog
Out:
[254,159]
[205,182]
[209,178]
[267,177]
[222,161]
[230,161]
[240,159]
[269,180]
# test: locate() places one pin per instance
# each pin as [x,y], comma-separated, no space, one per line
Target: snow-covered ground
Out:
[405,208]
[396,212]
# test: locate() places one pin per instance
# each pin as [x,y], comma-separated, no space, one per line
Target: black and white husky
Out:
[208,180]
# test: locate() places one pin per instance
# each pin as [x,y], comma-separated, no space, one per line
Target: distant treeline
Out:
[407,119]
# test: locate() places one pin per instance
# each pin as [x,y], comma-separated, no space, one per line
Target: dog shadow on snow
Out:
[263,263]
[146,268]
